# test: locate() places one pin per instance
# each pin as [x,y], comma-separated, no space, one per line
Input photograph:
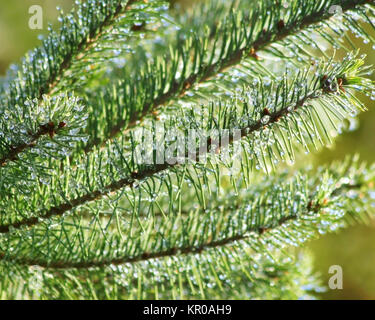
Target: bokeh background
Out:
[352,248]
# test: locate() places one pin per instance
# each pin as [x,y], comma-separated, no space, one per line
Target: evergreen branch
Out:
[266,280]
[47,87]
[71,204]
[154,255]
[311,206]
[56,129]
[328,85]
[78,35]
[176,207]
[45,129]
[217,266]
[244,43]
[84,45]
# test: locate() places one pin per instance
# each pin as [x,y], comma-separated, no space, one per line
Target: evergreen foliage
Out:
[143,149]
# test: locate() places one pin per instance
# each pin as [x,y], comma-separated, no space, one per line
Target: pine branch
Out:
[204,222]
[53,133]
[250,36]
[154,255]
[59,53]
[255,121]
[45,129]
[82,35]
[84,45]
[110,285]
[323,204]
[303,209]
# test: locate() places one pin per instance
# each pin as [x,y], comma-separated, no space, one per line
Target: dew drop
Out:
[265,119]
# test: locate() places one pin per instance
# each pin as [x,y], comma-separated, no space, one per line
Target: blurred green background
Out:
[353,248]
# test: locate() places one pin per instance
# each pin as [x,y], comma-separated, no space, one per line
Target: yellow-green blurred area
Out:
[353,249]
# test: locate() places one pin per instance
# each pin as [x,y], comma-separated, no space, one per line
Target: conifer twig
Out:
[146,255]
[48,128]
[178,90]
[129,181]
[85,45]
[48,87]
